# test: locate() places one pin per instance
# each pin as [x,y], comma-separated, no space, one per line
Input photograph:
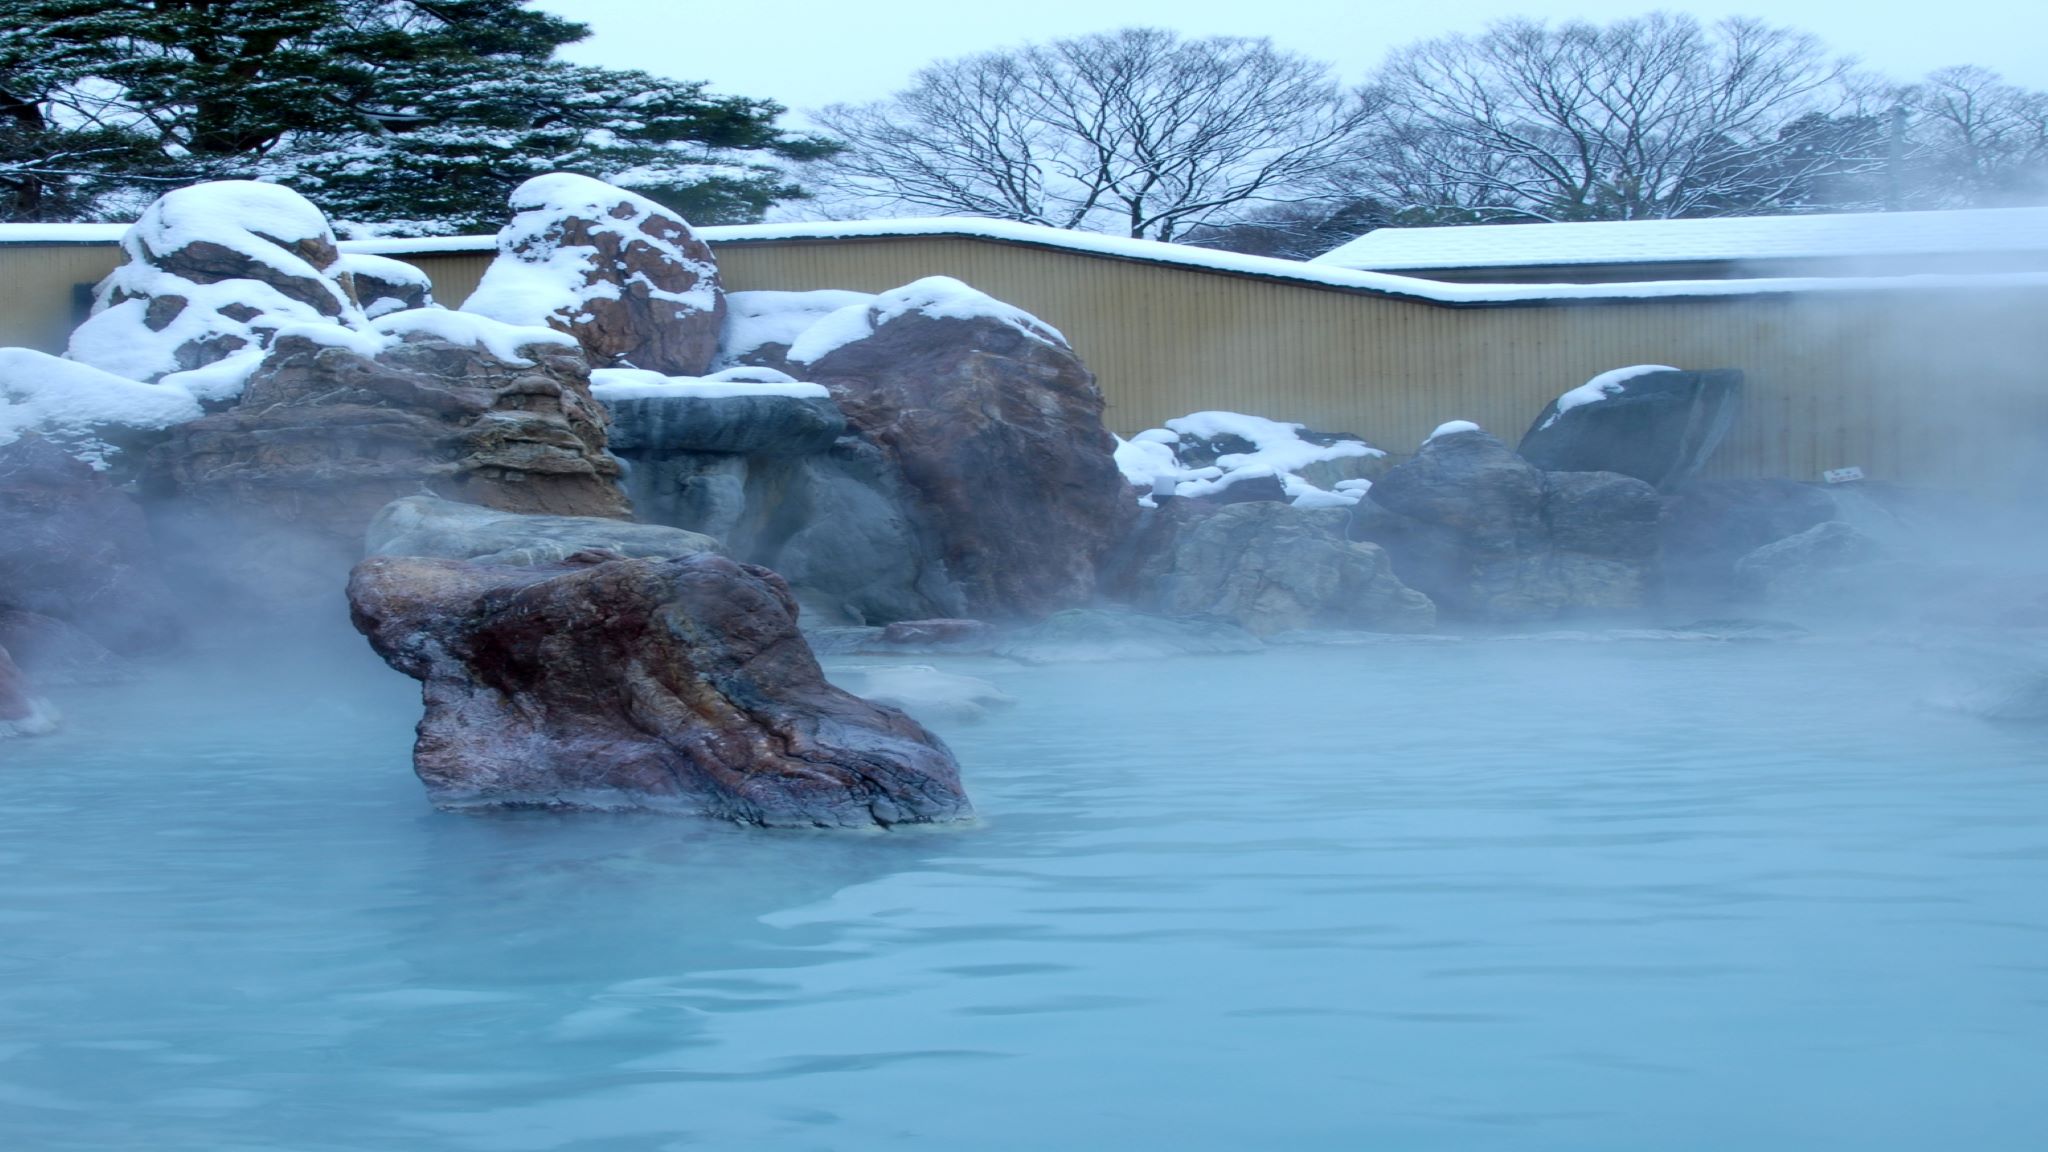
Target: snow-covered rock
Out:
[934,298]
[211,270]
[1204,455]
[623,275]
[386,285]
[90,413]
[760,326]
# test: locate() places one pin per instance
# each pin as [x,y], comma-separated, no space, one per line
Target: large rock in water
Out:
[75,548]
[1656,424]
[211,270]
[1489,536]
[996,428]
[680,684]
[1269,567]
[623,275]
[428,526]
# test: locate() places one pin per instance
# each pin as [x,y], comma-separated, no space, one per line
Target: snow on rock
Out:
[78,406]
[1600,387]
[936,297]
[385,285]
[210,270]
[1150,466]
[223,380]
[1452,428]
[614,384]
[500,339]
[772,321]
[1167,461]
[622,274]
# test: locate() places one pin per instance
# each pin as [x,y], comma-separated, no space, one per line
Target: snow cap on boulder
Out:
[211,270]
[622,274]
[934,297]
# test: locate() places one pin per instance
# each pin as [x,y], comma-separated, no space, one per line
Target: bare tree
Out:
[1136,131]
[1973,140]
[1646,118]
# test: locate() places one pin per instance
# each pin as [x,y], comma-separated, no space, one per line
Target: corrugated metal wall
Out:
[1943,387]
[1904,385]
[38,285]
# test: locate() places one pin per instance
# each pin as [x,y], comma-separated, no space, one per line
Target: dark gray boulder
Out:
[1659,427]
[1709,525]
[731,425]
[1489,536]
[1271,567]
[1828,566]
[781,483]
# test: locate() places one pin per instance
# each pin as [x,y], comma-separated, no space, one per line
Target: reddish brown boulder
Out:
[996,426]
[652,683]
[74,547]
[623,275]
[327,434]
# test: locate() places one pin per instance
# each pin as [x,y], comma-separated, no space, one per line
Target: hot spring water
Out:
[1440,895]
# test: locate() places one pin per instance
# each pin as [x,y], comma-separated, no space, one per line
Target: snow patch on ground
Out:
[73,403]
[537,277]
[938,297]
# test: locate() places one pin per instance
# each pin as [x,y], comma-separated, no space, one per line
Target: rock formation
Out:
[995,427]
[75,548]
[1708,526]
[211,270]
[384,285]
[328,433]
[22,712]
[429,526]
[52,652]
[1656,424]
[1489,536]
[680,684]
[623,275]
[781,482]
[1270,567]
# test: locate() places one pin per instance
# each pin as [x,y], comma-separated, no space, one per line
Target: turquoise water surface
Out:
[1457,895]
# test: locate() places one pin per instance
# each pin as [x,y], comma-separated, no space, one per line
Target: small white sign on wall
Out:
[1842,475]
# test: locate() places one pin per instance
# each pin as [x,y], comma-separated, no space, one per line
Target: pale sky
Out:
[807,53]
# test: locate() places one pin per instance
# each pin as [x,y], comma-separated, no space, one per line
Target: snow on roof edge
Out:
[1805,236]
[1200,259]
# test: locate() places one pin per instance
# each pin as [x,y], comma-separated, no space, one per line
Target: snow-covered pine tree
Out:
[392,115]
